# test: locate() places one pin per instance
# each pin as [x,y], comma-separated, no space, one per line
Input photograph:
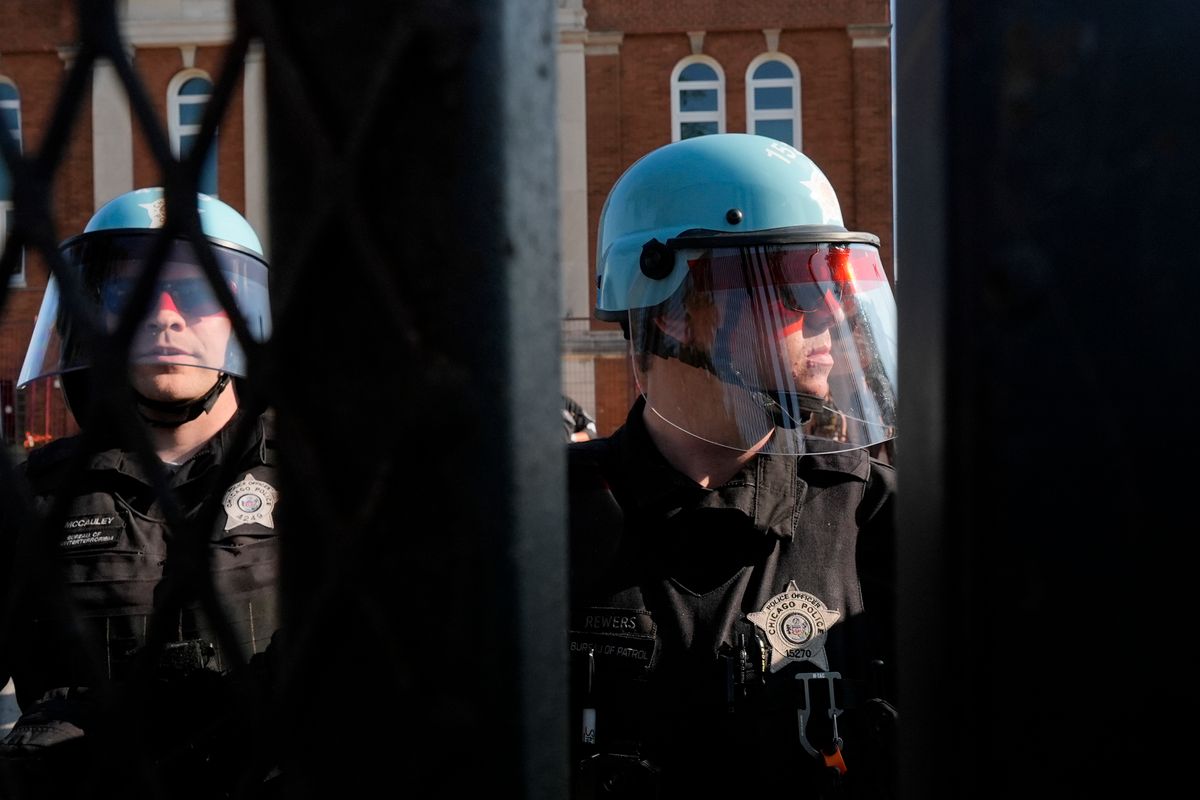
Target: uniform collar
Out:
[769,489]
[131,462]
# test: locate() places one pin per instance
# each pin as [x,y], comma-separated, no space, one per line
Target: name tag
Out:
[94,531]
[619,639]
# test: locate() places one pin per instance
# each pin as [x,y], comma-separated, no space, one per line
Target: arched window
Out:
[773,98]
[697,98]
[187,97]
[10,118]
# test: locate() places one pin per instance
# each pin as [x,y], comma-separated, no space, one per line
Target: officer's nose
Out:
[166,303]
[164,313]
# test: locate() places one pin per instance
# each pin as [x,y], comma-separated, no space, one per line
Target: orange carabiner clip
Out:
[835,760]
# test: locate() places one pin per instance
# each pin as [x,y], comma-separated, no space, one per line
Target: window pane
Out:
[780,129]
[208,175]
[773,97]
[5,182]
[191,113]
[698,100]
[11,119]
[8,91]
[186,143]
[698,72]
[772,69]
[196,86]
[688,130]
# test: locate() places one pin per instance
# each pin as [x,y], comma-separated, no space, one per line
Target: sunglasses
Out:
[193,297]
[808,297]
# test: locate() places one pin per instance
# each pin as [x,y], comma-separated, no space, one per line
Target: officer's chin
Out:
[172,383]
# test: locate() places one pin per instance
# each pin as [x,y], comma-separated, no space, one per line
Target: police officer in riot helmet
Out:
[142,592]
[731,542]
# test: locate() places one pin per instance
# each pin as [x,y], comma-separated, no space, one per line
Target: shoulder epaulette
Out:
[597,521]
[46,463]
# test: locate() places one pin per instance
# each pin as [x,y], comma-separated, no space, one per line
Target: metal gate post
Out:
[416,371]
[1046,206]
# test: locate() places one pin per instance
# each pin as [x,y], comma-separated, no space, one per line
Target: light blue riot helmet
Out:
[756,320]
[111,255]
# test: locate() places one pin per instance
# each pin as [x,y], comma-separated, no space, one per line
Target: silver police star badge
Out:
[795,623]
[250,501]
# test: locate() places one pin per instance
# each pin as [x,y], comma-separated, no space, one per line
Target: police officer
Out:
[140,597]
[731,544]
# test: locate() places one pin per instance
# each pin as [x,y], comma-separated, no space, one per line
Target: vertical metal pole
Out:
[1046,206]
[414,231]
[925,622]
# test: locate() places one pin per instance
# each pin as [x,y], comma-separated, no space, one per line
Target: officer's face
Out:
[775,342]
[807,343]
[181,342]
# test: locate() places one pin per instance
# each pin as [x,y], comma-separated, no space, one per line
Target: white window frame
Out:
[17,278]
[678,118]
[176,129]
[753,114]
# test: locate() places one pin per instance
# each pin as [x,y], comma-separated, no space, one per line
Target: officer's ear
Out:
[693,321]
[674,317]
[673,325]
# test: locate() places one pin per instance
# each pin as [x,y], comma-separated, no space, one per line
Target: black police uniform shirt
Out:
[706,623]
[110,549]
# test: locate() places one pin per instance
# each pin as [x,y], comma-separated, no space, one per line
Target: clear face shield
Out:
[182,322]
[789,348]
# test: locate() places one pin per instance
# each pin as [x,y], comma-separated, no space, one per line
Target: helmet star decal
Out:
[825,197]
[796,624]
[157,210]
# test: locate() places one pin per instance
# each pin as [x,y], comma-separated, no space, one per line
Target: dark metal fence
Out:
[413,366]
[1046,175]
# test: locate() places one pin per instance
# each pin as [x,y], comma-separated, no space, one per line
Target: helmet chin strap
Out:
[787,409]
[179,412]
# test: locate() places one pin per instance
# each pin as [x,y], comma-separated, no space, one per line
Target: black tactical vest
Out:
[99,570]
[692,615]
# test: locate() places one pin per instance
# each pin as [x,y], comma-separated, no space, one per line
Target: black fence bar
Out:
[1046,206]
[414,227]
